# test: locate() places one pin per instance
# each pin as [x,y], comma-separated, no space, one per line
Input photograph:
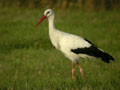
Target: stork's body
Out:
[73,46]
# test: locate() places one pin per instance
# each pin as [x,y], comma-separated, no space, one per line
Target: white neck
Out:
[51,22]
[52,31]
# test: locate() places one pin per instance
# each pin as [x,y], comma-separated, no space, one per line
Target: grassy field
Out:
[28,61]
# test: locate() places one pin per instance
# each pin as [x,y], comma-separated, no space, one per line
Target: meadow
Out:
[28,61]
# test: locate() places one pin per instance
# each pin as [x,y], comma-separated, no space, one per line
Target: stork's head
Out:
[47,13]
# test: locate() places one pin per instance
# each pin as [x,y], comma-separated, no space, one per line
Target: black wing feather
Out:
[93,51]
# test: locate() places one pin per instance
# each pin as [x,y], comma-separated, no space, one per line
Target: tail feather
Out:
[105,57]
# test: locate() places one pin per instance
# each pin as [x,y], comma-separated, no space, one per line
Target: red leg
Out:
[73,70]
[81,71]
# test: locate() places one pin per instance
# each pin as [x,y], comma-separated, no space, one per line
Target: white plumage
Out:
[65,41]
[72,46]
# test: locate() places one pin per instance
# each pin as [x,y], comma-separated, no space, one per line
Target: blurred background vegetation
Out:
[81,4]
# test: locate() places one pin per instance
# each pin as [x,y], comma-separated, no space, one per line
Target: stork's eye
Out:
[48,12]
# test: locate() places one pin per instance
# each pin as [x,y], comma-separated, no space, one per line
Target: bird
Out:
[72,46]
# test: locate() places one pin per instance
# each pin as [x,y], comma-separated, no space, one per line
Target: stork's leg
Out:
[81,71]
[73,70]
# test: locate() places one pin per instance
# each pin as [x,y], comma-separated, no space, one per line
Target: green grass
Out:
[28,61]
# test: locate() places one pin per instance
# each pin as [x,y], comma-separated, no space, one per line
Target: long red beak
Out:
[42,18]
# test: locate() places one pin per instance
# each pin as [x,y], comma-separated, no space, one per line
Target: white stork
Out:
[73,46]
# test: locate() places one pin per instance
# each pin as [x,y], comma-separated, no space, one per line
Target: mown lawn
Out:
[28,61]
